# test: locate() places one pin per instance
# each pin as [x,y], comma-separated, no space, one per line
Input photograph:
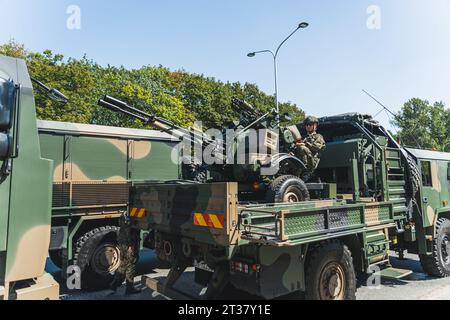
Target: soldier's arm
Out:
[317,145]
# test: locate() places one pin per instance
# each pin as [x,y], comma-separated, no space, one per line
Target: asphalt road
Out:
[417,286]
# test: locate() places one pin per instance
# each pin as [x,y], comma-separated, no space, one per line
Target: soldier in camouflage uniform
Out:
[128,240]
[308,149]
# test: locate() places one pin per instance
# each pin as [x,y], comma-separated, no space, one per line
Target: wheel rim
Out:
[445,249]
[292,195]
[106,259]
[332,282]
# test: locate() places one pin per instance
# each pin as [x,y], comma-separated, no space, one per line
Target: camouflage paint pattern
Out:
[94,166]
[25,225]
[435,198]
[210,213]
[208,217]
[202,212]
[97,153]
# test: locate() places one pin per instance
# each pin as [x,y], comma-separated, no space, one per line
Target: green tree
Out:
[179,96]
[424,125]
[13,49]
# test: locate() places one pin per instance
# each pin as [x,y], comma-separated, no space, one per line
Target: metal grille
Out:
[377,214]
[61,195]
[84,194]
[303,223]
[342,218]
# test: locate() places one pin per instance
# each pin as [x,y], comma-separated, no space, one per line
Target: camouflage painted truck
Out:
[93,168]
[25,191]
[386,198]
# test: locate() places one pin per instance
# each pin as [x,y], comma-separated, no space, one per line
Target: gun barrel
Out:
[115,108]
[160,124]
[125,106]
[245,108]
[198,138]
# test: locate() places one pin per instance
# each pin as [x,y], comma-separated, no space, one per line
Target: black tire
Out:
[438,264]
[330,268]
[414,178]
[98,257]
[56,257]
[287,188]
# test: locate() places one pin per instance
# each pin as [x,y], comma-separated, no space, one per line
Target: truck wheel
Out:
[330,274]
[98,256]
[438,264]
[287,189]
[414,178]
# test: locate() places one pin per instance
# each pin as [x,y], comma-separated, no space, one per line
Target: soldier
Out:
[128,240]
[308,149]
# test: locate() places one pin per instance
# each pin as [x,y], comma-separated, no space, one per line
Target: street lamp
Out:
[302,25]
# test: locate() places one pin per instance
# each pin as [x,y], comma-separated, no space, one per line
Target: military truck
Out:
[386,198]
[25,191]
[93,168]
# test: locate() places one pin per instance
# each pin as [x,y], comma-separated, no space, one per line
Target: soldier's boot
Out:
[131,289]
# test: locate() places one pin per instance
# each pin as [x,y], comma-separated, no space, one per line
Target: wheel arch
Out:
[88,223]
[353,242]
[441,213]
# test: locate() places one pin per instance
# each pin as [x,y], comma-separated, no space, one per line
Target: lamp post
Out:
[302,25]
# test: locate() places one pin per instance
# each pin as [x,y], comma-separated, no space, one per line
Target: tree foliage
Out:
[424,125]
[179,96]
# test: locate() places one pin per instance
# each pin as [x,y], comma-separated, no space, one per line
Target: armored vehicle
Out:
[386,198]
[25,191]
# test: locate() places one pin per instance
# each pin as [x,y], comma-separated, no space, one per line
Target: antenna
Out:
[388,111]
[384,107]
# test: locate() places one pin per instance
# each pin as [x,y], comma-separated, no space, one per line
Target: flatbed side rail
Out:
[284,225]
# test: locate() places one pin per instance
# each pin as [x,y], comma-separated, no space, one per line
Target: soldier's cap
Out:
[311,120]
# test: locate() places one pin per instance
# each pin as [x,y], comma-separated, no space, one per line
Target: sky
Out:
[394,49]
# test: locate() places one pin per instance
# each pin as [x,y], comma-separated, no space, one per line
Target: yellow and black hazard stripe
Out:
[138,212]
[215,221]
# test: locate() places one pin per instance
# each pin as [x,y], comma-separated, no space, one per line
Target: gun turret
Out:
[250,119]
[246,111]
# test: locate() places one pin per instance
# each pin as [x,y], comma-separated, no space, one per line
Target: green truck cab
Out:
[25,191]
[429,235]
[383,201]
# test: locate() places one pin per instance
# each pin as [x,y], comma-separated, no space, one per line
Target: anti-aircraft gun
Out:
[253,151]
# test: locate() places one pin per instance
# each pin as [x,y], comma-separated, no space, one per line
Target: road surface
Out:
[417,286]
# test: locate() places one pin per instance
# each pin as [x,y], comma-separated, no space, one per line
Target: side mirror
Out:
[5,146]
[7,104]
[7,101]
[448,172]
